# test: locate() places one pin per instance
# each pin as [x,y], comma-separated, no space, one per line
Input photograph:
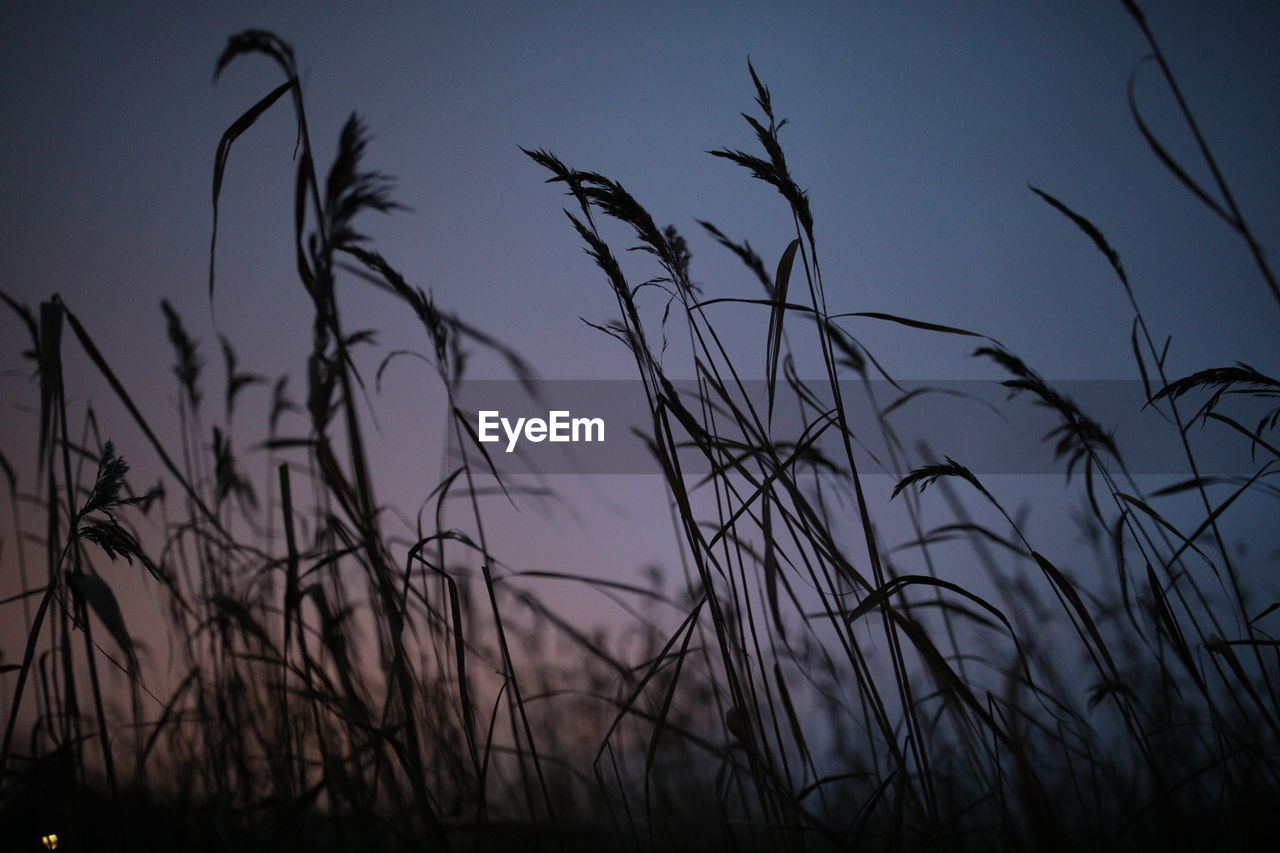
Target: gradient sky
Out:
[915,126]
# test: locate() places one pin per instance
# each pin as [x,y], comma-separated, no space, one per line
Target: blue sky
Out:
[915,126]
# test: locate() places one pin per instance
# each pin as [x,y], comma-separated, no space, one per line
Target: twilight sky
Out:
[916,127]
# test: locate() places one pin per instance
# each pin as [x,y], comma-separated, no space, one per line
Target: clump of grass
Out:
[821,689]
[950,750]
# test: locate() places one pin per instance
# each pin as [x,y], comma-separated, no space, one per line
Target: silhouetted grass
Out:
[821,689]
